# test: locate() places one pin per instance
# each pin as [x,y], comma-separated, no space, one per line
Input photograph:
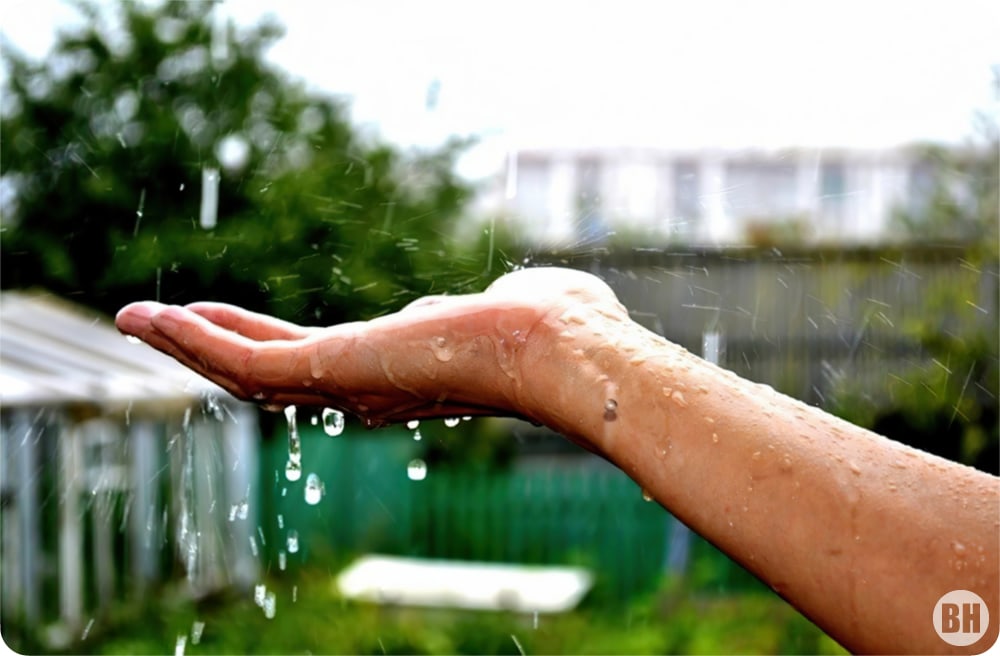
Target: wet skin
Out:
[860,533]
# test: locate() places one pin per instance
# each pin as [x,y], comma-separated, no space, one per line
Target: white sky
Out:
[629,72]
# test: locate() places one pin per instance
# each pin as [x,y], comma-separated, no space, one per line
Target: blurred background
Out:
[804,193]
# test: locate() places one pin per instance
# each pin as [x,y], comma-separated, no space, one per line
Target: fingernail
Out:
[134,318]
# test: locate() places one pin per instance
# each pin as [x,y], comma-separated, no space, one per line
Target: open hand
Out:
[439,356]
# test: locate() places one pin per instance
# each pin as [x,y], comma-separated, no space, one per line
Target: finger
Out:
[254,369]
[258,327]
[134,318]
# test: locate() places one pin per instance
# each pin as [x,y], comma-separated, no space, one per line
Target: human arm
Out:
[861,534]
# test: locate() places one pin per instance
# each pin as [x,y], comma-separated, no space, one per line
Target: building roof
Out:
[56,352]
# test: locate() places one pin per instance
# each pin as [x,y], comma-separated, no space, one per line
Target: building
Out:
[109,475]
[710,196]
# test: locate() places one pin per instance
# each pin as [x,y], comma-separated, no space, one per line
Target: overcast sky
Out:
[620,72]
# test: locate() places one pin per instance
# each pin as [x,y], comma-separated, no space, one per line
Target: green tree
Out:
[109,145]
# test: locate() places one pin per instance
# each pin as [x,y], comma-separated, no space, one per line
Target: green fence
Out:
[569,509]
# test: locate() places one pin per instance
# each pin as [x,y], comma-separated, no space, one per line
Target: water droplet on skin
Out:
[416,470]
[958,548]
[646,496]
[417,436]
[132,339]
[439,345]
[703,389]
[333,422]
[855,469]
[292,542]
[715,438]
[314,489]
[413,424]
[678,398]
[610,410]
[451,422]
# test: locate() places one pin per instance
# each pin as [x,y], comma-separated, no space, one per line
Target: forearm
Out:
[857,531]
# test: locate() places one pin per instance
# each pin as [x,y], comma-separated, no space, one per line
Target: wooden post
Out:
[70,529]
[144,526]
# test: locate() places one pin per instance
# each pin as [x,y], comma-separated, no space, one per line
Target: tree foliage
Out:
[106,145]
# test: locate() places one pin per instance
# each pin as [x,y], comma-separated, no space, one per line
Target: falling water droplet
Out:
[451,422]
[314,489]
[413,424]
[417,436]
[179,646]
[259,591]
[281,521]
[270,605]
[253,546]
[313,420]
[212,407]
[416,470]
[610,410]
[292,541]
[243,509]
[293,469]
[209,197]
[197,628]
[333,422]
[282,560]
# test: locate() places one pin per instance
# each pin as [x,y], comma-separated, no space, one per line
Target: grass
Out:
[311,618]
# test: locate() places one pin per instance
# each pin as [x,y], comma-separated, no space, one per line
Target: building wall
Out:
[706,196]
